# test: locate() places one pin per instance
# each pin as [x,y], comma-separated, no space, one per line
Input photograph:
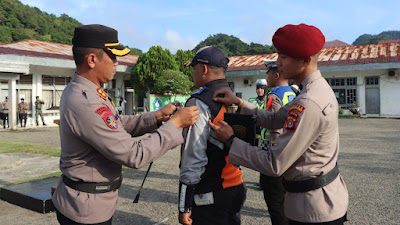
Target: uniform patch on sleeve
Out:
[297,107]
[101,110]
[108,117]
[110,120]
[290,124]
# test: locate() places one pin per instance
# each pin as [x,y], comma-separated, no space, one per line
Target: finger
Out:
[223,123]
[213,126]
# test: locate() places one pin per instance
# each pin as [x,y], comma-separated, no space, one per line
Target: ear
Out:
[91,60]
[307,59]
[206,69]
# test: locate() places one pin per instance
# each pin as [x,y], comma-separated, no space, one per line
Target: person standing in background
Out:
[22,112]
[4,108]
[38,110]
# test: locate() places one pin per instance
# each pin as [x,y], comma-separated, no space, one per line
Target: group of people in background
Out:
[23,108]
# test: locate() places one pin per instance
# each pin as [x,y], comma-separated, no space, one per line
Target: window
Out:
[372,81]
[239,94]
[345,90]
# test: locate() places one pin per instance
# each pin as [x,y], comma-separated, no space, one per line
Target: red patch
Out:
[110,120]
[297,107]
[102,109]
[290,124]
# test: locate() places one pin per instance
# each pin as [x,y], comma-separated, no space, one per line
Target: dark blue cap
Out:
[211,56]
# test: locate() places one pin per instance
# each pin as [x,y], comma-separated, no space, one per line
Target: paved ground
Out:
[369,161]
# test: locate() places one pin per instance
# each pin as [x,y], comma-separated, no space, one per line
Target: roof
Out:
[51,50]
[335,43]
[347,55]
[389,41]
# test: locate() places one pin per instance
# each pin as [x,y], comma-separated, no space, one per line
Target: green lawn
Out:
[13,147]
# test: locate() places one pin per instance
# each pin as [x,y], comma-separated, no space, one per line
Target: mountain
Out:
[374,39]
[233,46]
[19,21]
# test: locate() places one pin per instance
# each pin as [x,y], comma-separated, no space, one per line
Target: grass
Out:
[13,147]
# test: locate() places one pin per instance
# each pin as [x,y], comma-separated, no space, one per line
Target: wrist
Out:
[240,103]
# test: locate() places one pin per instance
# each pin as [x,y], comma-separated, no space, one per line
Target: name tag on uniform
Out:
[204,199]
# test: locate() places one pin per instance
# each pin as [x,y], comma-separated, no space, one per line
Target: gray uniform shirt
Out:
[94,145]
[308,148]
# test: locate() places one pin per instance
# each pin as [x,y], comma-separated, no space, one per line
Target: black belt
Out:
[92,187]
[311,184]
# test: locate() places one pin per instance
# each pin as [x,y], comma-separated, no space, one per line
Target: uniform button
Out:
[331,106]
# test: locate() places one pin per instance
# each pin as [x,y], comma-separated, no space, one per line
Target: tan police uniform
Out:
[308,148]
[95,142]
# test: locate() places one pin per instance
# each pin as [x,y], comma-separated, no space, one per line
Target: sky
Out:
[175,24]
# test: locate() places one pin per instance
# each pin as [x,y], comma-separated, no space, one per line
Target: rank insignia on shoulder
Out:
[198,91]
[101,93]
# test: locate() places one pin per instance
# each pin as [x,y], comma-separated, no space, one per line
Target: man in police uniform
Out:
[4,108]
[279,95]
[23,110]
[211,189]
[95,141]
[261,90]
[306,154]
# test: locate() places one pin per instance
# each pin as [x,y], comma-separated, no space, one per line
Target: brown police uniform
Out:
[95,142]
[309,148]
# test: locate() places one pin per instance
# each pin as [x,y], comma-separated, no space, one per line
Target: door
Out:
[372,96]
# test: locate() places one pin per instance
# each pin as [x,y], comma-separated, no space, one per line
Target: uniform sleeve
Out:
[194,157]
[146,122]
[301,131]
[101,131]
[275,106]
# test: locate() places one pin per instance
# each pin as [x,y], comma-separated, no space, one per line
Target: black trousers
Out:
[225,210]
[339,221]
[274,196]
[5,118]
[63,220]
[22,117]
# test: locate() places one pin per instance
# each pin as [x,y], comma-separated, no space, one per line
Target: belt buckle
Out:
[102,188]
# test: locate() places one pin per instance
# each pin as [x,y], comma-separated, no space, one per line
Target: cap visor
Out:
[118,52]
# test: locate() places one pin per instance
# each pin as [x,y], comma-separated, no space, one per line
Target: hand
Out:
[165,112]
[184,218]
[186,116]
[223,132]
[227,97]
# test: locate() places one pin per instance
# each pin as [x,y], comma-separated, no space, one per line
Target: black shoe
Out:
[37,124]
[44,124]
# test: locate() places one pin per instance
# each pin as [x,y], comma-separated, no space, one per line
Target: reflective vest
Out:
[286,95]
[256,102]
[219,173]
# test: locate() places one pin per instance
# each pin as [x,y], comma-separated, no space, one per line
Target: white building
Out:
[367,75]
[31,68]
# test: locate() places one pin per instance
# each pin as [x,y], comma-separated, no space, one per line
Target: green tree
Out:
[149,66]
[136,51]
[172,82]
[181,57]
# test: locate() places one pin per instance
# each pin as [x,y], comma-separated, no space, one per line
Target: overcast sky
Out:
[175,24]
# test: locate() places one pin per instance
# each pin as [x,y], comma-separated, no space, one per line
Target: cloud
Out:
[173,41]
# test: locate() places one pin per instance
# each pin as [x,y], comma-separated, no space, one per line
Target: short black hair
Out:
[81,52]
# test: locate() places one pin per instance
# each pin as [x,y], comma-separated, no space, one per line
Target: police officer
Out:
[211,188]
[23,110]
[38,110]
[95,141]
[279,95]
[306,154]
[261,89]
[4,108]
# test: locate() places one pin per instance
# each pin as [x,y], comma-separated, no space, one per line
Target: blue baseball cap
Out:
[210,55]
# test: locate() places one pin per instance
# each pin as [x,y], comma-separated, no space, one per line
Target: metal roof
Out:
[51,50]
[346,55]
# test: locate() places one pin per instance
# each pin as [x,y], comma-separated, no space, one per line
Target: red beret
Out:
[298,40]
